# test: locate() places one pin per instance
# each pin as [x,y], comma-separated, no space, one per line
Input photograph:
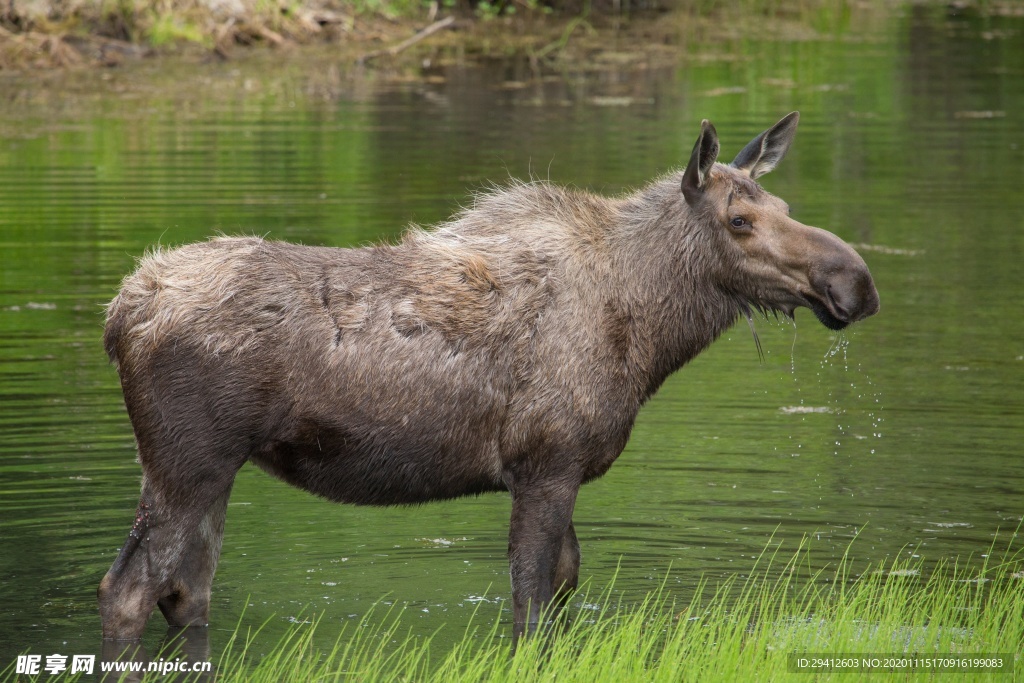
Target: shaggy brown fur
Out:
[509,349]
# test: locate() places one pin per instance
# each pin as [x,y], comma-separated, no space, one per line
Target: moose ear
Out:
[703,157]
[764,152]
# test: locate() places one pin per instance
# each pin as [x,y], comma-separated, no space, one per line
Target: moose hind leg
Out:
[169,558]
[126,594]
[188,603]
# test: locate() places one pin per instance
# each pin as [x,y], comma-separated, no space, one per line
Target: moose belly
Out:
[375,467]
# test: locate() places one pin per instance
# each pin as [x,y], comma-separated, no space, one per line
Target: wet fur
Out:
[416,371]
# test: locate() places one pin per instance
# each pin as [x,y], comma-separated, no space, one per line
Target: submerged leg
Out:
[188,603]
[125,594]
[541,519]
[168,559]
[195,418]
[567,572]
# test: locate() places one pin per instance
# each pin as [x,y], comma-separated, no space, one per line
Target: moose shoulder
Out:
[509,349]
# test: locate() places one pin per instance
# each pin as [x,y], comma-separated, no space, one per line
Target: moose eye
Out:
[739,223]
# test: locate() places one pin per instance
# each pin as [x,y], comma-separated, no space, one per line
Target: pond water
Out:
[904,432]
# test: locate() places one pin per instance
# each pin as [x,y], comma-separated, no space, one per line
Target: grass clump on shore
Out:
[738,631]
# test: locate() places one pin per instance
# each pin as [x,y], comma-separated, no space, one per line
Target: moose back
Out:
[508,349]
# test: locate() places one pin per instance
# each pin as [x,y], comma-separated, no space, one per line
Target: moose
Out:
[509,349]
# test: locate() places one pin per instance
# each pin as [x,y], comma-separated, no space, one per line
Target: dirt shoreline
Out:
[108,33]
[35,36]
[33,42]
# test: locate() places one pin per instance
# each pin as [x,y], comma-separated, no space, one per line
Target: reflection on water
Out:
[903,432]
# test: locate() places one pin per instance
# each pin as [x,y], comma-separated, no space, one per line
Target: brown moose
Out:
[508,349]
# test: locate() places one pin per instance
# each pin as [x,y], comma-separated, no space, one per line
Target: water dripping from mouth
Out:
[840,344]
[863,390]
[792,352]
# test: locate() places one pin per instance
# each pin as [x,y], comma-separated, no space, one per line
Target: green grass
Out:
[165,29]
[735,631]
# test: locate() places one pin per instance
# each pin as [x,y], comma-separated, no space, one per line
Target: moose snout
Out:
[847,292]
[840,289]
[853,295]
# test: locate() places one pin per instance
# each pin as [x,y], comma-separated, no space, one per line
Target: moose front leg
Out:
[567,573]
[542,549]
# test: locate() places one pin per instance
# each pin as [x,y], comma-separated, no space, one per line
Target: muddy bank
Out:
[38,34]
[46,34]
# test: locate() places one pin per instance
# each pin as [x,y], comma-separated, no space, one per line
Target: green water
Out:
[905,431]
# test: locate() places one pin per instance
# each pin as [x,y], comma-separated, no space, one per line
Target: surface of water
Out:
[904,431]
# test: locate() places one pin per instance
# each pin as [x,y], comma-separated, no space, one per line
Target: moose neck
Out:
[668,281]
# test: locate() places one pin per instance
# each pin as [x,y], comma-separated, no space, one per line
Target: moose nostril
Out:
[837,306]
[852,295]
